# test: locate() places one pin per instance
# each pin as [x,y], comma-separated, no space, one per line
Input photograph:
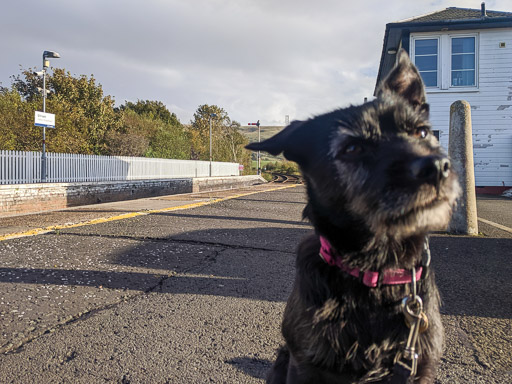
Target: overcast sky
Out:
[257,59]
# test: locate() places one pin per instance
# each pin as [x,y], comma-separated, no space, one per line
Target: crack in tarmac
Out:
[174,240]
[82,316]
[18,347]
[466,341]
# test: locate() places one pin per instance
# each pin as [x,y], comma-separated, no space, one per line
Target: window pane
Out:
[463,62]
[429,78]
[463,78]
[425,58]
[426,63]
[463,45]
[426,47]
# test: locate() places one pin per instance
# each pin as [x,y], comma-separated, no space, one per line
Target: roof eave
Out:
[486,22]
[382,58]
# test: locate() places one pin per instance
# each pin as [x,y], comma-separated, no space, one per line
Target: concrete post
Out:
[460,150]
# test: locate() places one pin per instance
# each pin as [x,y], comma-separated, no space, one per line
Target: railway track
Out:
[284,178]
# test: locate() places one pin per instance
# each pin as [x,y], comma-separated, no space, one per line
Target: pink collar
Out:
[370,278]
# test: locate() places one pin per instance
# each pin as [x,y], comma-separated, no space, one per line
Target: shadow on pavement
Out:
[254,367]
[233,218]
[273,201]
[231,268]
[473,275]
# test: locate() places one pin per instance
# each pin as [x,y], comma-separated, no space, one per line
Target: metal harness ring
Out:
[412,301]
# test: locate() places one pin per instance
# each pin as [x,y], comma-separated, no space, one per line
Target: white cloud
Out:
[258,59]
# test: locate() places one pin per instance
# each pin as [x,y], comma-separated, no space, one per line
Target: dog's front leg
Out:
[293,376]
[309,374]
[286,371]
[279,370]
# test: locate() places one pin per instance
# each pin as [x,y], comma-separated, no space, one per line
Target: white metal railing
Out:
[17,167]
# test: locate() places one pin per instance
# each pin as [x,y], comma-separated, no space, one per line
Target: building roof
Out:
[452,13]
[397,33]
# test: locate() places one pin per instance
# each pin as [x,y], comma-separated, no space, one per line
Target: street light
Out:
[46,64]
[211,115]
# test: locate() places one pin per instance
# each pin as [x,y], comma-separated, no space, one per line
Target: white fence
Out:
[18,167]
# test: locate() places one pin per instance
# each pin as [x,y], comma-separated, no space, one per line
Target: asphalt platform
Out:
[191,289]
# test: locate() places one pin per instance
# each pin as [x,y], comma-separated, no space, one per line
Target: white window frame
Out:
[413,55]
[444,60]
[454,36]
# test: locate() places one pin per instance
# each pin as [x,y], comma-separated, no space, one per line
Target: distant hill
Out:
[251,132]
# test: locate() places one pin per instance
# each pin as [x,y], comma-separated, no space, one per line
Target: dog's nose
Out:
[430,169]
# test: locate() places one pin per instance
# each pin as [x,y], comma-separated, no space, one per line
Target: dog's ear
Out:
[405,80]
[292,141]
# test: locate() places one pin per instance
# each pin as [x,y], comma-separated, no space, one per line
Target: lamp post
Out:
[211,115]
[46,64]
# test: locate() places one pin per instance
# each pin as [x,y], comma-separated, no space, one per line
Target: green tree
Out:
[88,123]
[166,136]
[271,166]
[155,110]
[28,85]
[91,112]
[84,115]
[200,130]
[132,139]
[228,144]
[17,122]
[169,142]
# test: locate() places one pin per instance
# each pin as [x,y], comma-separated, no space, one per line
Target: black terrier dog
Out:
[367,308]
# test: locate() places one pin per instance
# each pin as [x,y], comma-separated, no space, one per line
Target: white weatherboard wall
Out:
[491,108]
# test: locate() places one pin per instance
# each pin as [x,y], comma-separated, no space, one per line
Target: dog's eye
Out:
[352,150]
[421,133]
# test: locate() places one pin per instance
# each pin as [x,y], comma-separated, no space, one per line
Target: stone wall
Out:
[202,184]
[30,198]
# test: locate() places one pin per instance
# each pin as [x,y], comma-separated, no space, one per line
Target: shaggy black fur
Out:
[377,183]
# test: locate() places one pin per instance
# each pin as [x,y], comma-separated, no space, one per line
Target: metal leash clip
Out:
[426,257]
[406,361]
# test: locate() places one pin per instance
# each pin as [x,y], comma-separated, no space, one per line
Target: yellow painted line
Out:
[32,232]
[499,226]
[53,228]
